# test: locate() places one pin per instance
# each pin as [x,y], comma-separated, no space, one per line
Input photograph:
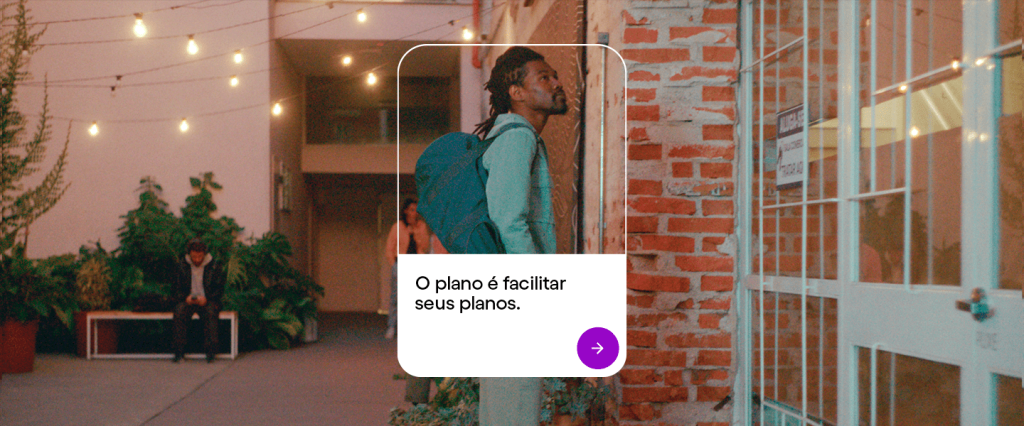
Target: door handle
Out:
[977,305]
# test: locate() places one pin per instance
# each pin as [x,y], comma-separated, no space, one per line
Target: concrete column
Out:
[510,401]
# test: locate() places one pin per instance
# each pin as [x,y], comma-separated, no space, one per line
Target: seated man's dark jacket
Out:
[213,282]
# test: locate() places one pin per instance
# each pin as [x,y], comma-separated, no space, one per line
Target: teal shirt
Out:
[519,188]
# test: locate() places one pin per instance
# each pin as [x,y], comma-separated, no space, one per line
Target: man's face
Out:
[541,89]
[197,257]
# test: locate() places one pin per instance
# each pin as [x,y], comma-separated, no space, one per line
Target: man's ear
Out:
[515,93]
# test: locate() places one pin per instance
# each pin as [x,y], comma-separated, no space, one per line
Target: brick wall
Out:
[682,64]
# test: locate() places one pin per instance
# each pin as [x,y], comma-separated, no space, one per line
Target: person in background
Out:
[410,235]
[199,289]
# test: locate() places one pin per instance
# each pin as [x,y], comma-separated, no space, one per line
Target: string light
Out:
[140,28]
[467,34]
[956,64]
[980,61]
[94,129]
[346,61]
[183,126]
[192,48]
[234,81]
[361,15]
[276,110]
[238,56]
[903,88]
[371,79]
[914,132]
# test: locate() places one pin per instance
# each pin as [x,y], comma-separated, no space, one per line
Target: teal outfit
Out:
[519,188]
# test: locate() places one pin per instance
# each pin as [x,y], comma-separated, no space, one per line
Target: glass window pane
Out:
[1011,20]
[1011,176]
[909,391]
[1010,405]
[783,373]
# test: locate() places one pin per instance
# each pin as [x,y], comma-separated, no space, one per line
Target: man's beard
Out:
[559,108]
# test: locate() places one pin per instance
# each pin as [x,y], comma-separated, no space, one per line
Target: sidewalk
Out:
[344,379]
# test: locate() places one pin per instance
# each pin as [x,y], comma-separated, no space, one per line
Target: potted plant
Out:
[92,292]
[27,292]
[573,401]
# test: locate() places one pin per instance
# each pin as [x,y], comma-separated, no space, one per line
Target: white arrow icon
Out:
[599,348]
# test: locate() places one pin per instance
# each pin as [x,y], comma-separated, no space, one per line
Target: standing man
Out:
[198,289]
[524,89]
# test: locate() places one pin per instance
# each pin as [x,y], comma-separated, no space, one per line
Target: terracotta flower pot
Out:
[106,335]
[18,346]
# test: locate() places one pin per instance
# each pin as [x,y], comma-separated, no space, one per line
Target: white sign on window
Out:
[791,170]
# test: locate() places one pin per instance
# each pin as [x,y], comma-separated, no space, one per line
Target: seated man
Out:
[198,289]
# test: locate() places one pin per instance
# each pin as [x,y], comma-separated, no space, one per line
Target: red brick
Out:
[640,300]
[701,377]
[704,263]
[717,132]
[642,412]
[639,35]
[638,134]
[720,16]
[644,152]
[716,283]
[706,225]
[717,207]
[714,358]
[710,244]
[644,76]
[702,151]
[644,187]
[708,321]
[723,35]
[712,393]
[642,224]
[639,376]
[682,169]
[713,423]
[643,95]
[657,283]
[656,56]
[715,170]
[728,111]
[630,20]
[689,73]
[716,304]
[719,53]
[643,339]
[643,113]
[654,357]
[667,243]
[691,340]
[718,94]
[664,205]
[653,394]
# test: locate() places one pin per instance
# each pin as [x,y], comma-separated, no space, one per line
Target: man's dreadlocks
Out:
[509,69]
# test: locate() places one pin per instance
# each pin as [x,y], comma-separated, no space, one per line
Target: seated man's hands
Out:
[196,300]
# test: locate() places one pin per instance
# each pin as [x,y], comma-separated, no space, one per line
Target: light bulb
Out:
[371,79]
[914,132]
[94,129]
[980,61]
[184,125]
[139,28]
[361,15]
[903,88]
[234,81]
[238,56]
[467,34]
[346,61]
[276,110]
[955,65]
[193,48]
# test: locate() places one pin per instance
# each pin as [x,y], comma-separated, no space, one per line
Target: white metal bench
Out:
[92,341]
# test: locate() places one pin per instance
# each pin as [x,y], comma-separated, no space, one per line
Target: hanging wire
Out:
[129,15]
[286,98]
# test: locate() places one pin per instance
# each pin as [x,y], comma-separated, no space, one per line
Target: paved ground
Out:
[344,379]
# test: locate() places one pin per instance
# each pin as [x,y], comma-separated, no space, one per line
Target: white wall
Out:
[104,171]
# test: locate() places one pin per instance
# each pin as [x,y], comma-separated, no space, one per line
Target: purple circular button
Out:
[597,348]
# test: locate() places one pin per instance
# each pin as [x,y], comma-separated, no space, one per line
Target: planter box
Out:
[106,335]
[18,346]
